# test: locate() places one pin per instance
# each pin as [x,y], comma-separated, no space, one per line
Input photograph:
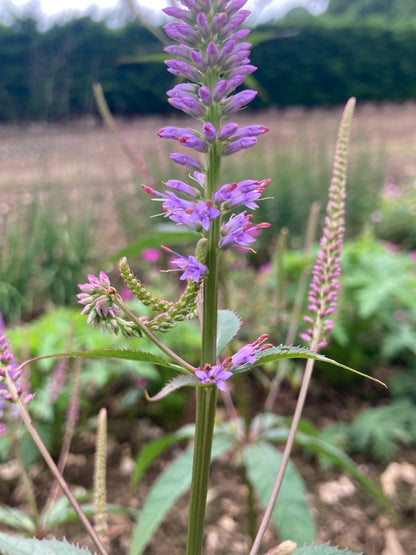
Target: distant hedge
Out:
[323,63]
[48,76]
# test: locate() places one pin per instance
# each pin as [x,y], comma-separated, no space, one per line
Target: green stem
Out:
[286,454]
[206,403]
[206,397]
[188,367]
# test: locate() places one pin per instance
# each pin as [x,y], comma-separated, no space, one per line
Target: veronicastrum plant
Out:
[211,57]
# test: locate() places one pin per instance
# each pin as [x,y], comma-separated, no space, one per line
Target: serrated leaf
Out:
[125,354]
[291,514]
[173,236]
[177,383]
[322,549]
[16,519]
[290,351]
[165,491]
[227,327]
[12,545]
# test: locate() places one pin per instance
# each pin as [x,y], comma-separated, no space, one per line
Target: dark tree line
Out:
[311,61]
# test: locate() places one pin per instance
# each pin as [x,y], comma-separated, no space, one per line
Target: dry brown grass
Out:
[85,153]
[88,167]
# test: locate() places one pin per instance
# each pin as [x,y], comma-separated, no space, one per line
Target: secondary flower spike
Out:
[100,303]
[323,291]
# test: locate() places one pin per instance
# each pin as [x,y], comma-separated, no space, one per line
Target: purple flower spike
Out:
[193,268]
[323,290]
[183,89]
[205,95]
[215,375]
[242,70]
[199,61]
[203,213]
[234,6]
[239,100]
[181,32]
[240,144]
[227,131]
[172,132]
[188,105]
[185,16]
[191,5]
[211,53]
[210,132]
[182,187]
[181,51]
[184,160]
[188,139]
[219,21]
[203,25]
[250,131]
[183,69]
[248,353]
[239,231]
[243,193]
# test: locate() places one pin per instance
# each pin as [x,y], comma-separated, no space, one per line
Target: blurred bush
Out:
[303,61]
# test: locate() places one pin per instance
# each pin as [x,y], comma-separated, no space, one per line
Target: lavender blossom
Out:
[214,375]
[239,231]
[248,353]
[193,268]
[219,373]
[242,193]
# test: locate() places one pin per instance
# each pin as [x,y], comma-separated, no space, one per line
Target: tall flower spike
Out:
[323,291]
[8,363]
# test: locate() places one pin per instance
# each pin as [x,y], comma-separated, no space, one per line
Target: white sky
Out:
[49,11]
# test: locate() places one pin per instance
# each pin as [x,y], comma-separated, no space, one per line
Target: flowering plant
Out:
[213,57]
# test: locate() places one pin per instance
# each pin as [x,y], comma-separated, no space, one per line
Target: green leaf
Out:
[379,430]
[16,519]
[173,236]
[177,383]
[165,491]
[151,451]
[125,354]
[11,545]
[62,512]
[228,325]
[318,446]
[291,514]
[290,351]
[323,549]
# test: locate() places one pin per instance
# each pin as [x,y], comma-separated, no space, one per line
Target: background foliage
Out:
[302,60]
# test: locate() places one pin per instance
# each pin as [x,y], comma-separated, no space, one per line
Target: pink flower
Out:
[151,255]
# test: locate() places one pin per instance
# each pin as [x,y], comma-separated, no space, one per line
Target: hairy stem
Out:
[206,397]
[285,457]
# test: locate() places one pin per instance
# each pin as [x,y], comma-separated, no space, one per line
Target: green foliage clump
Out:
[44,252]
[377,316]
[395,221]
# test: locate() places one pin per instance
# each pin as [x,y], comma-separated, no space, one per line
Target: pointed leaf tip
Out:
[180,381]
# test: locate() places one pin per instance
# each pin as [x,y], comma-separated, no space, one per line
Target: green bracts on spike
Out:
[138,289]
